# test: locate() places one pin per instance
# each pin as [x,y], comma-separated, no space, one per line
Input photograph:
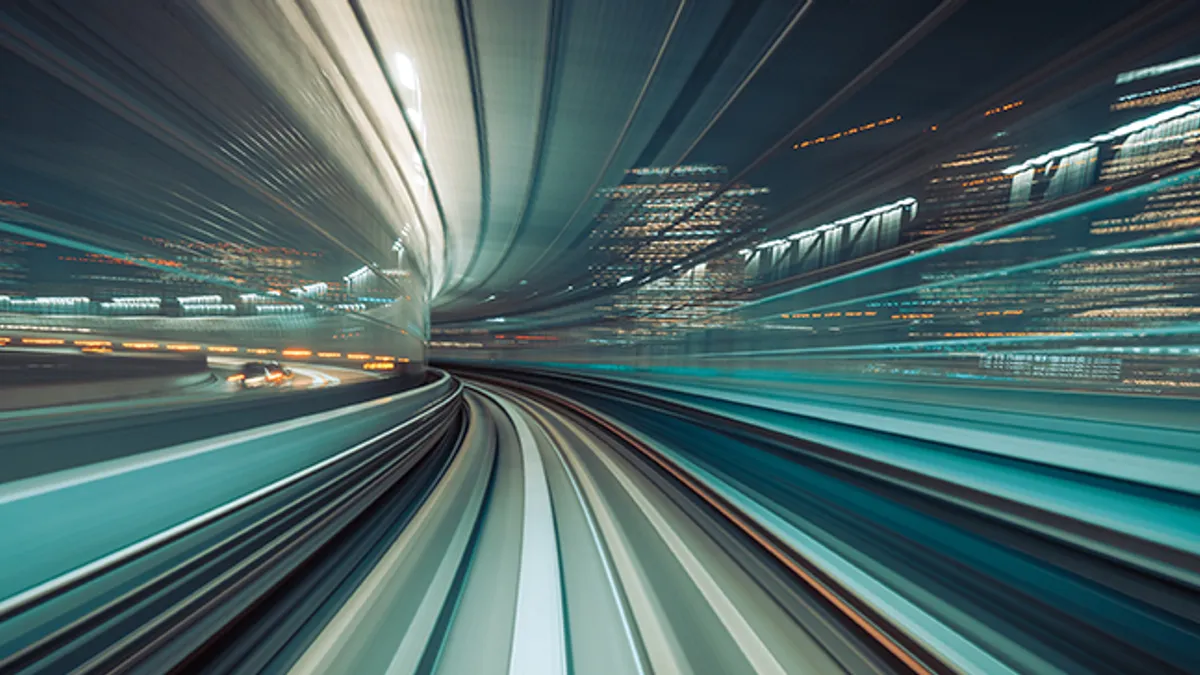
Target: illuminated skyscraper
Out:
[640,230]
[965,190]
[275,267]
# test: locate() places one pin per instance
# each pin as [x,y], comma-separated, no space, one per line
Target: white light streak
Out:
[406,72]
[1160,69]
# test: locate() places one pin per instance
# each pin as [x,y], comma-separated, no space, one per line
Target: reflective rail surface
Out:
[521,521]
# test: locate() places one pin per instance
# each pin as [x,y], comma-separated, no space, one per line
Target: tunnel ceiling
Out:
[481,139]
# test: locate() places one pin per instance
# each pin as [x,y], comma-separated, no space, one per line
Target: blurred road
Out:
[531,522]
[574,559]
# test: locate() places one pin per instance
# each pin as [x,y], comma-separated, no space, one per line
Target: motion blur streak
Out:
[593,337]
[668,526]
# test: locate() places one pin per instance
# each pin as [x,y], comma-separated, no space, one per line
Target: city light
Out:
[208,309]
[357,276]
[278,309]
[138,301]
[47,329]
[200,300]
[1004,108]
[1160,69]
[1124,130]
[848,132]
[1146,123]
[904,203]
[132,305]
[681,170]
[1166,94]
[314,290]
[1048,157]
[49,301]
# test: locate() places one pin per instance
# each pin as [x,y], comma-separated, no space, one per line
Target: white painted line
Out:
[663,649]
[755,650]
[605,562]
[539,638]
[150,542]
[326,650]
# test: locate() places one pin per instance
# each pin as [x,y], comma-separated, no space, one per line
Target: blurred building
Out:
[1030,288]
[965,190]
[814,248]
[179,279]
[15,263]
[640,230]
[276,267]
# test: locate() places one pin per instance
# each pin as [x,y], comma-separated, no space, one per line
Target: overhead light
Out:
[406,72]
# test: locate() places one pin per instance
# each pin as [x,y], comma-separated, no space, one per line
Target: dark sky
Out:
[981,48]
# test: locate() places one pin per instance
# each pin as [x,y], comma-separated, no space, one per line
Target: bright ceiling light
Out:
[406,72]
